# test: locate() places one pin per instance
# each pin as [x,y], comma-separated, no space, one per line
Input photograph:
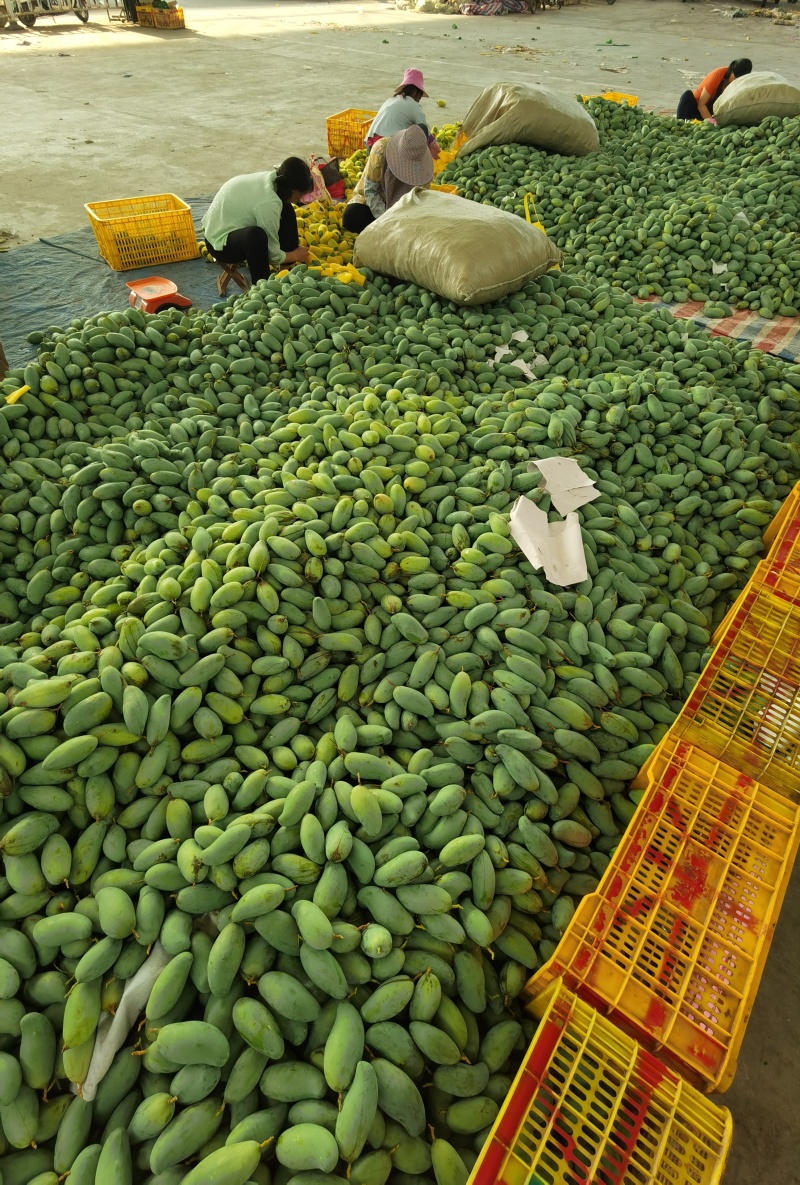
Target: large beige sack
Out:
[514,114]
[462,250]
[753,97]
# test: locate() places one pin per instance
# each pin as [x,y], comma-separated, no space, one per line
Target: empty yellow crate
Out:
[745,706]
[672,944]
[138,232]
[590,1107]
[347,130]
[788,514]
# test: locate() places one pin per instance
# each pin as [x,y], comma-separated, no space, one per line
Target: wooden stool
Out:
[230,271]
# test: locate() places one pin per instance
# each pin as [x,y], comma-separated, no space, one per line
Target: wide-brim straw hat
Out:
[409,157]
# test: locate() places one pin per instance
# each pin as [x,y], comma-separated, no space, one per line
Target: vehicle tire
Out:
[82,14]
[28,19]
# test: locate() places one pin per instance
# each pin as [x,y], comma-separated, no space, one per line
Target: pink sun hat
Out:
[414,78]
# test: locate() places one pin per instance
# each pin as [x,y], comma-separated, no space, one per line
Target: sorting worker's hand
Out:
[299,255]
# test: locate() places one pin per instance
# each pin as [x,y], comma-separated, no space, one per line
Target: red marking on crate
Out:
[656,1016]
[670,774]
[676,932]
[691,880]
[660,859]
[635,846]
[726,814]
[493,1156]
[615,888]
[582,959]
[518,1102]
[704,1055]
[673,813]
[629,1122]
[641,907]
[572,1154]
[651,1069]
[599,922]
[731,908]
[547,1037]
[657,800]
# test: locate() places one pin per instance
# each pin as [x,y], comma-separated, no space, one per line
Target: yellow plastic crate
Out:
[347,130]
[672,944]
[755,581]
[138,232]
[782,537]
[789,513]
[590,1107]
[160,18]
[745,707]
[444,188]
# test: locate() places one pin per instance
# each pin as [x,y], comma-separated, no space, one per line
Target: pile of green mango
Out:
[284,704]
[680,211]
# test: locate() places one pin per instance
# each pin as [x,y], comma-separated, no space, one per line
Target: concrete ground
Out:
[107,111]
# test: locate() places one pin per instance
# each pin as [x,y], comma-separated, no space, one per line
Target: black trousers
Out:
[688,109]
[251,243]
[357,216]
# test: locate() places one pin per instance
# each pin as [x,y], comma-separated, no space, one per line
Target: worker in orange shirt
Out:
[699,103]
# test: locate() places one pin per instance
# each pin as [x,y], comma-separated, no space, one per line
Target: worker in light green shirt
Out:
[252,218]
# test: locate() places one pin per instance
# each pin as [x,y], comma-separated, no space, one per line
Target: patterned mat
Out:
[780,337]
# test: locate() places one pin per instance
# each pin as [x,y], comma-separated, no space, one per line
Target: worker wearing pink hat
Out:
[403,111]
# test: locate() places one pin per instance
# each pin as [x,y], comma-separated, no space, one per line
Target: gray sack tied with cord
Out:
[756,96]
[510,113]
[461,250]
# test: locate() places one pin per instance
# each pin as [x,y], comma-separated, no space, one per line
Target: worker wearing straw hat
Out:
[395,166]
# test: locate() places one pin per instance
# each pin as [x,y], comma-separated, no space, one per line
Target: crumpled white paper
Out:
[112,1032]
[503,351]
[565,482]
[718,268]
[522,365]
[556,547]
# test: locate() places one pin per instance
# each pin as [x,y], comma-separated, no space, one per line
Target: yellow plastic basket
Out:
[672,944]
[590,1107]
[347,130]
[787,517]
[160,18]
[138,232]
[745,707]
[444,188]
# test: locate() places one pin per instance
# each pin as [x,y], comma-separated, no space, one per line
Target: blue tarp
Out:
[57,280]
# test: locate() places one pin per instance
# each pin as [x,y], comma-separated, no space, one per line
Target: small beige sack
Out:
[462,250]
[514,114]
[753,97]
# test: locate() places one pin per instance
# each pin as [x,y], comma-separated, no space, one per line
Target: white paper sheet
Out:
[500,354]
[565,482]
[556,547]
[522,365]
